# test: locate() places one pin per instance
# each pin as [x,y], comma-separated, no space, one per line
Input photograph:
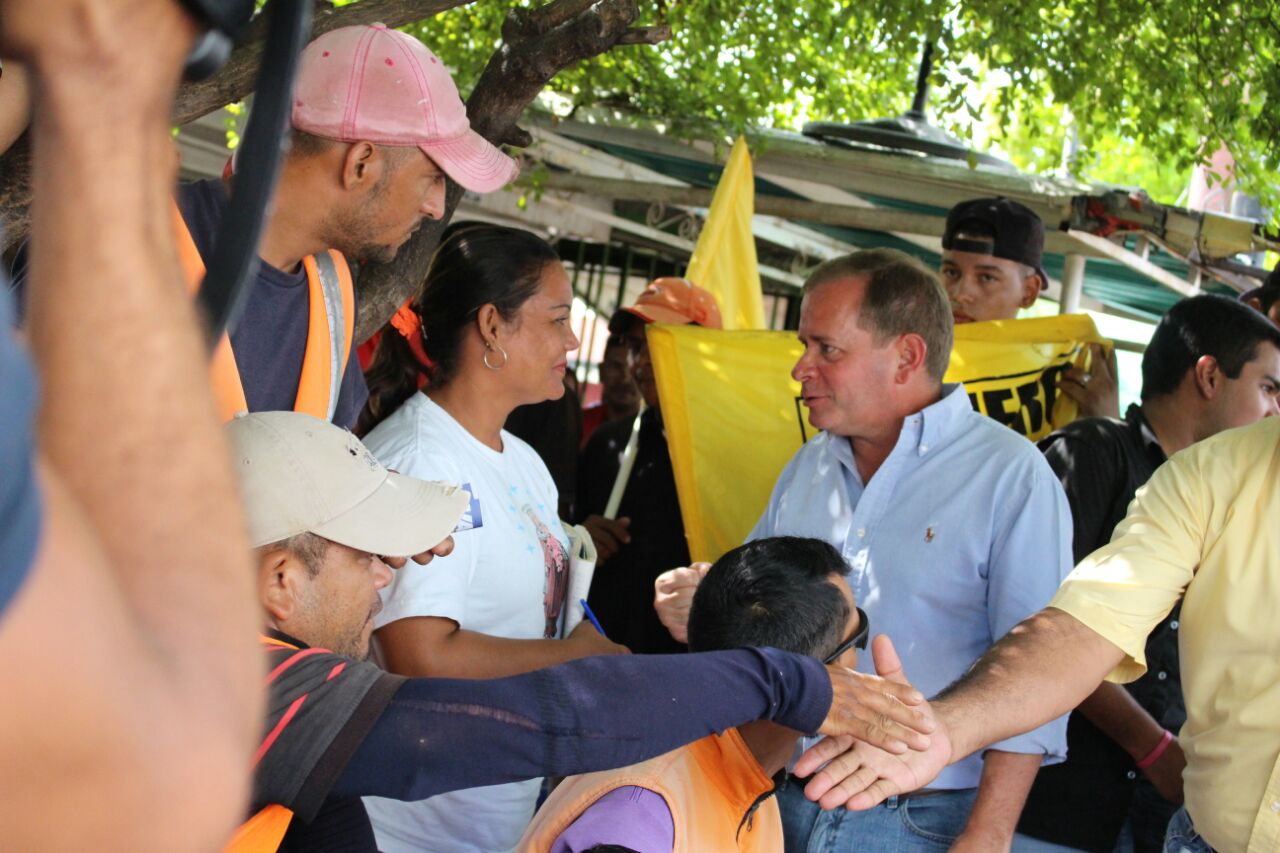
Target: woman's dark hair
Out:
[475,265]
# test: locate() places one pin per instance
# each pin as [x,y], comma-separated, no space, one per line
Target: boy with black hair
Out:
[717,793]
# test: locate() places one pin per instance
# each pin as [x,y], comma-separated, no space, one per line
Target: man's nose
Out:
[433,204]
[381,573]
[803,369]
[963,289]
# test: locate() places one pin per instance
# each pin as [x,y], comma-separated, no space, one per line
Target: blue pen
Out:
[586,609]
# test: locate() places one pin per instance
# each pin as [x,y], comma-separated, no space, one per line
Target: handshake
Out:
[882,736]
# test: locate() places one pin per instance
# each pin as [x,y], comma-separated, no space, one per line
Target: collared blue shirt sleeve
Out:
[19,498]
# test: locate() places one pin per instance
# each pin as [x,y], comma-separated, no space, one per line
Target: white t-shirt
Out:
[503,578]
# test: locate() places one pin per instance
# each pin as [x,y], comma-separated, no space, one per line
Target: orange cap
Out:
[675,300]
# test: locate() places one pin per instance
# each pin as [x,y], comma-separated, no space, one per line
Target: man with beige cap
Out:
[328,524]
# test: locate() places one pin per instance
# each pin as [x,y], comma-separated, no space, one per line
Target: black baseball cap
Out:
[1017,234]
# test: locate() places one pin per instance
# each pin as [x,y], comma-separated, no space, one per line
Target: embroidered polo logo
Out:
[928,534]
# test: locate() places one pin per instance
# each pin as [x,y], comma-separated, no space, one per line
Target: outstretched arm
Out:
[1042,669]
[606,712]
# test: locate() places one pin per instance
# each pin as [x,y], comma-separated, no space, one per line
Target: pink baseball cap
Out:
[379,85]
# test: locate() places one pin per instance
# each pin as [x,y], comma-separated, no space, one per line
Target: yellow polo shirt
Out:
[1208,523]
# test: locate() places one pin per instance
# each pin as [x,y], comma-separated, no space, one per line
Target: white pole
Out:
[624,468]
[1072,284]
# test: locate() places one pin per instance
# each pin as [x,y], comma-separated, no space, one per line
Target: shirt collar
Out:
[284,638]
[1137,420]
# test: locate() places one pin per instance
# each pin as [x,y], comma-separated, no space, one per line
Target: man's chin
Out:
[378,254]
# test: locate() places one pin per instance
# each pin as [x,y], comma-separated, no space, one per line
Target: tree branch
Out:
[646,35]
[516,73]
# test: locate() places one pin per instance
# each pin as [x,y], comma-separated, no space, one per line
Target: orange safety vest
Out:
[709,785]
[332,302]
[263,832]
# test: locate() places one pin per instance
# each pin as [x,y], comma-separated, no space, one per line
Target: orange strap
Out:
[261,833]
[228,393]
[323,363]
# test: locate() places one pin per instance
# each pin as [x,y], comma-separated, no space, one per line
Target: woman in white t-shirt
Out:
[492,322]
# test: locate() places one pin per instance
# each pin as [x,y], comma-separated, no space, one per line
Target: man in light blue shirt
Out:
[955,527]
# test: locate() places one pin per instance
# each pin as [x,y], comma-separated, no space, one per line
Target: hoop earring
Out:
[486,357]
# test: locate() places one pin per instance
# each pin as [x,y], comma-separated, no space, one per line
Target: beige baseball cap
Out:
[299,474]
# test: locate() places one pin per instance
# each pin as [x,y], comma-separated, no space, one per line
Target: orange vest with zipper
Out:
[709,785]
[324,362]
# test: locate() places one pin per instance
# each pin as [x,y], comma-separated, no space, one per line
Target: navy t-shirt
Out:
[19,498]
[271,339]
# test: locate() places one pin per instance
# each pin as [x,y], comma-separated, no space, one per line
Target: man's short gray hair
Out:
[307,547]
[902,296]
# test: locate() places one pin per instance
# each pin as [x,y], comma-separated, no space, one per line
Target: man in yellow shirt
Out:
[1205,528]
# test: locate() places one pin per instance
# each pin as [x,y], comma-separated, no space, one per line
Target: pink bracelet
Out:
[1154,755]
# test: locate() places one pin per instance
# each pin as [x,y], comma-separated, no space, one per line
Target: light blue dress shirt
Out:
[961,534]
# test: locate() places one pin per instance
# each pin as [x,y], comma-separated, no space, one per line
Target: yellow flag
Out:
[724,260]
[733,417]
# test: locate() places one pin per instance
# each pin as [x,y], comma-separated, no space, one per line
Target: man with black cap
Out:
[992,266]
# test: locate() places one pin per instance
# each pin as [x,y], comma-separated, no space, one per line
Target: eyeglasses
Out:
[857,641]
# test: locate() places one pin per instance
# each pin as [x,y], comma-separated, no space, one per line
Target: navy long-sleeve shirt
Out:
[359,731]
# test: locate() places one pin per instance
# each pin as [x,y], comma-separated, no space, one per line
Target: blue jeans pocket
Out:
[940,818]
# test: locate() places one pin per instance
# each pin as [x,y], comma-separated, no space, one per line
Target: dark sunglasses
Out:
[857,641]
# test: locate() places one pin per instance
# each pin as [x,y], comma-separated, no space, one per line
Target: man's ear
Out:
[1031,287]
[362,166]
[912,351]
[280,579]
[1208,377]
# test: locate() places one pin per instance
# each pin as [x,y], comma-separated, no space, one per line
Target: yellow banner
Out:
[733,416]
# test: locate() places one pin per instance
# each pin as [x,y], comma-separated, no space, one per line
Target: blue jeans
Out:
[898,825]
[1027,844]
[1181,837]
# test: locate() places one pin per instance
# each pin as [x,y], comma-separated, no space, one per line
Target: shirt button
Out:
[1275,805]
[1174,624]
[1132,774]
[1162,675]
[924,448]
[862,531]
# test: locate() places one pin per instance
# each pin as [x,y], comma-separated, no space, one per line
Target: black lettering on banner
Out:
[993,401]
[1032,407]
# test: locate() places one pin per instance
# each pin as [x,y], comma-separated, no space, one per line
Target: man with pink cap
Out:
[377,125]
